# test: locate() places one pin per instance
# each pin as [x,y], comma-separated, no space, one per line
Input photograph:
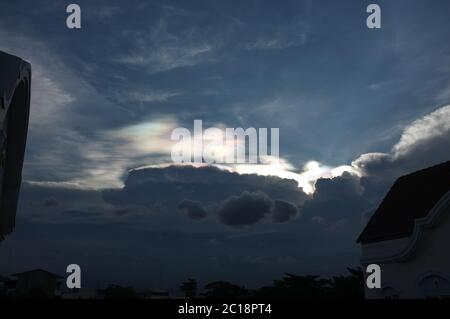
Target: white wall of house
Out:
[423,273]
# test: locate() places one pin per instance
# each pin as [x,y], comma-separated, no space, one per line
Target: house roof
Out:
[411,197]
[37,271]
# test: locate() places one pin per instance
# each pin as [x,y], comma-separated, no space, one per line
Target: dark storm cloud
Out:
[171,185]
[283,211]
[246,209]
[194,209]
[70,205]
[237,200]
[343,187]
[47,195]
[234,200]
[337,204]
[78,214]
[134,210]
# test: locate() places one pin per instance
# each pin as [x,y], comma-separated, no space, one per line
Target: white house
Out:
[409,237]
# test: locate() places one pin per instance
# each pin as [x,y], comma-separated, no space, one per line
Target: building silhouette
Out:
[408,236]
[15,81]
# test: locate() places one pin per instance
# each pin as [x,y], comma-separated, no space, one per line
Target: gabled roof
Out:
[411,197]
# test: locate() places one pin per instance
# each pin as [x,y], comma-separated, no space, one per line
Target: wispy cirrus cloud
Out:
[169,56]
[277,43]
[163,50]
[144,96]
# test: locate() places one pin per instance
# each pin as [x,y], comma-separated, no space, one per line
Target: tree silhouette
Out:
[118,292]
[189,288]
[351,287]
[295,287]
[223,289]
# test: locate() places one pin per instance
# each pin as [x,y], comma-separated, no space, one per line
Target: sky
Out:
[356,109]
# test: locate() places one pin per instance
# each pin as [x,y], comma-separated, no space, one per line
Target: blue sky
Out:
[106,97]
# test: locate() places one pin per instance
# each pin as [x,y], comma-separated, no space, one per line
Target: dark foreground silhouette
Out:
[289,287]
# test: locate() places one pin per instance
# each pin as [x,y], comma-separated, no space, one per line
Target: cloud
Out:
[246,209]
[283,211]
[65,204]
[283,31]
[66,117]
[444,95]
[47,92]
[161,50]
[194,209]
[146,138]
[423,132]
[148,96]
[237,200]
[305,177]
[344,200]
[170,57]
[172,184]
[344,186]
[104,13]
[133,210]
[330,218]
[423,143]
[335,200]
[152,196]
[278,42]
[79,137]
[340,203]
[341,195]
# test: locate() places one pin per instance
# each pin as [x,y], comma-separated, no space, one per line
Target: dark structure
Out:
[37,283]
[7,287]
[15,81]
[407,236]
[411,197]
